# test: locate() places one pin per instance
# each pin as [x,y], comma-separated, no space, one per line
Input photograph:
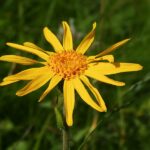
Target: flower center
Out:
[68,64]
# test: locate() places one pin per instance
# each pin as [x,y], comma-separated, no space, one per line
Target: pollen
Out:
[68,64]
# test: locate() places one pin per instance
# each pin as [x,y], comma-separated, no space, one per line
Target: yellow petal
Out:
[29,49]
[98,76]
[67,38]
[7,82]
[87,41]
[95,93]
[32,45]
[52,39]
[79,87]
[112,48]
[69,101]
[54,81]
[27,74]
[34,84]
[113,68]
[18,59]
[109,58]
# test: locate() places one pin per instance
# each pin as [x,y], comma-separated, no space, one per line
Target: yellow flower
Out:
[71,66]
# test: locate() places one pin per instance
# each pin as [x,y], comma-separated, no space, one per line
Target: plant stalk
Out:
[65,133]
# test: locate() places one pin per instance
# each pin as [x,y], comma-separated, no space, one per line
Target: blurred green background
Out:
[26,124]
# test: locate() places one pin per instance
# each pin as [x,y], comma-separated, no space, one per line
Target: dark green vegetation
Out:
[26,124]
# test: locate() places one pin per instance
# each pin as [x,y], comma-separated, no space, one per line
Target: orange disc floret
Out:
[68,64]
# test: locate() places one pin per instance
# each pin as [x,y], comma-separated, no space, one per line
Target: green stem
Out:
[61,123]
[121,121]
[65,133]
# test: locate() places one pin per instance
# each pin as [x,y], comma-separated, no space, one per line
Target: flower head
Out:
[71,66]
